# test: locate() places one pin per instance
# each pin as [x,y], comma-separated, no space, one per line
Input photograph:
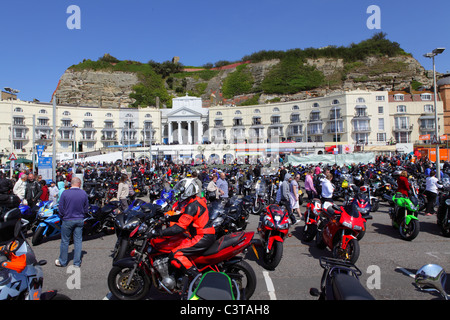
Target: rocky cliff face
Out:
[96,88]
[109,89]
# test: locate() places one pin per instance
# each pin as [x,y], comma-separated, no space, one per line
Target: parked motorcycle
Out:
[443,214]
[228,217]
[339,231]
[20,273]
[273,228]
[131,277]
[259,198]
[404,216]
[433,278]
[101,219]
[340,281]
[312,216]
[48,223]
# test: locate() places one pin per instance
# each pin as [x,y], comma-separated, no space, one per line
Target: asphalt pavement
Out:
[387,262]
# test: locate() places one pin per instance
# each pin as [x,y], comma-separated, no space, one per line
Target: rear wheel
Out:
[245,277]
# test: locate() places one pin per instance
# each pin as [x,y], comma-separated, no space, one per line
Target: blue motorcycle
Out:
[166,199]
[30,214]
[48,223]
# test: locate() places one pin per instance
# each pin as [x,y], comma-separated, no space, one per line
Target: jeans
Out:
[68,228]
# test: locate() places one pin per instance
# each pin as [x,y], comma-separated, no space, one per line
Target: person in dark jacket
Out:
[73,207]
[6,185]
[33,191]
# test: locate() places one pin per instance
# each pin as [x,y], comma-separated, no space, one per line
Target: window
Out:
[42,122]
[381,137]
[380,109]
[399,97]
[295,108]
[66,123]
[275,109]
[426,96]
[128,115]
[335,101]
[295,117]
[43,111]
[66,113]
[218,113]
[88,114]
[316,105]
[379,98]
[18,109]
[381,124]
[148,115]
[275,119]
[401,123]
[257,111]
[360,100]
[109,115]
[237,112]
[401,109]
[428,108]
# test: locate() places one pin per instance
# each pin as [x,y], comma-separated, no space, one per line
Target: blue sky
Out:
[37,47]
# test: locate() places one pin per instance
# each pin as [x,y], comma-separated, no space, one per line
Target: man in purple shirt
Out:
[73,206]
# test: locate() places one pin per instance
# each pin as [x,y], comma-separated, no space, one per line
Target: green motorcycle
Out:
[404,215]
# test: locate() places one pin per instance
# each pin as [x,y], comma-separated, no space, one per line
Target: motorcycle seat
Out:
[347,287]
[225,241]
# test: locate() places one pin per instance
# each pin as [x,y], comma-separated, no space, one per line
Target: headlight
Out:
[358,228]
[347,224]
[131,225]
[277,218]
[447,202]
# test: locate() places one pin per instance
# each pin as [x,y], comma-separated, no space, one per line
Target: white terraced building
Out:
[357,120]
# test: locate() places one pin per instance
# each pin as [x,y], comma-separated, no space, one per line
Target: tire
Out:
[138,288]
[362,232]
[256,210]
[411,231]
[351,253]
[319,241]
[272,258]
[245,277]
[309,232]
[375,205]
[38,236]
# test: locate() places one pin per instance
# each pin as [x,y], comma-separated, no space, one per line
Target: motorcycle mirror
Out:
[314,292]
[432,277]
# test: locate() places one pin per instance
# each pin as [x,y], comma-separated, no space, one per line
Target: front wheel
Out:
[351,252]
[409,231]
[273,257]
[309,232]
[117,284]
[38,236]
[245,277]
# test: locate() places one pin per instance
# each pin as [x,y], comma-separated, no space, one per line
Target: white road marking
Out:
[269,285]
[108,296]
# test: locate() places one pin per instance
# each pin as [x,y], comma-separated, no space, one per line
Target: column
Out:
[189,132]
[200,131]
[169,132]
[180,140]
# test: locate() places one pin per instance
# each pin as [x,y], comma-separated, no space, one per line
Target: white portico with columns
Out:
[186,123]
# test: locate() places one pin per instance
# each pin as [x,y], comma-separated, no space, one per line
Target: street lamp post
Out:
[432,55]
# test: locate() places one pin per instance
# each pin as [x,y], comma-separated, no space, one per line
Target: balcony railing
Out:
[361,129]
[403,128]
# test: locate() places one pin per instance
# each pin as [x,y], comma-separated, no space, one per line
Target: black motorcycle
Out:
[228,217]
[340,281]
[443,214]
[101,219]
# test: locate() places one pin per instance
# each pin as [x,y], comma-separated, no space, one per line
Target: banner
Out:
[340,159]
[45,168]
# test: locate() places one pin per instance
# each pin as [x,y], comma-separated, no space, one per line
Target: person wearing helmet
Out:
[194,220]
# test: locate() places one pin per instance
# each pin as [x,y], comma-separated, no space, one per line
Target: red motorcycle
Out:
[340,231]
[312,216]
[131,277]
[273,228]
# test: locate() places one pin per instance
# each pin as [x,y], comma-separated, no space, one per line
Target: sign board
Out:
[444,137]
[40,149]
[425,137]
[45,168]
[12,157]
[434,140]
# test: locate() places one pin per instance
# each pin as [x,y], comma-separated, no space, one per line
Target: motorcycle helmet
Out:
[186,188]
[10,224]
